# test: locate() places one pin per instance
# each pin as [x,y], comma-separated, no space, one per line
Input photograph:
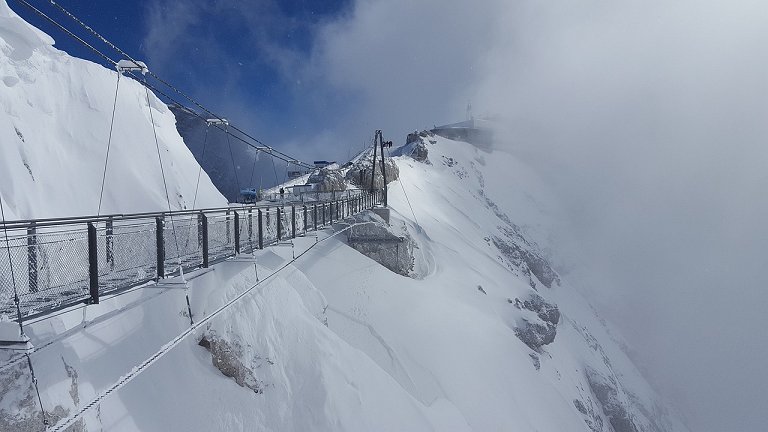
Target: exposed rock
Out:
[606,391]
[536,361]
[19,407]
[592,418]
[226,358]
[546,311]
[364,165]
[414,147]
[327,180]
[528,261]
[541,330]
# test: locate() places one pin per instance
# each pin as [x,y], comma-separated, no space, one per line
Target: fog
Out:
[648,119]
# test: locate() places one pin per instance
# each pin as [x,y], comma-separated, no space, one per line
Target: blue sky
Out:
[221,52]
[313,78]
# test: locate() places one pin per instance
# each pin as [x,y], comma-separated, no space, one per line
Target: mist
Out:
[648,120]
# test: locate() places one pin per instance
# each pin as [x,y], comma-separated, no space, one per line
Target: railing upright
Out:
[160,247]
[93,264]
[314,215]
[204,226]
[32,256]
[237,233]
[261,230]
[279,225]
[304,207]
[250,229]
[293,221]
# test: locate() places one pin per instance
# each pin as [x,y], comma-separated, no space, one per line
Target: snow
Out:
[55,127]
[338,342]
[333,340]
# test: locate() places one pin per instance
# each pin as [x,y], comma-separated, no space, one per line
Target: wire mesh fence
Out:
[50,264]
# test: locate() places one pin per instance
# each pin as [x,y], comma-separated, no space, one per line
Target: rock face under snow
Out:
[327,180]
[226,358]
[606,392]
[540,329]
[416,147]
[364,165]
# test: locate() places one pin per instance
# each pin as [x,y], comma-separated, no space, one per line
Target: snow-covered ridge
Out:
[479,339]
[54,131]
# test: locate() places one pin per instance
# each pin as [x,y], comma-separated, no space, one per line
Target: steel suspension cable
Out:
[405,194]
[17,302]
[232,157]
[162,172]
[158,78]
[200,166]
[109,143]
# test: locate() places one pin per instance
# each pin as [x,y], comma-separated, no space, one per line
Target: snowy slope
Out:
[54,132]
[336,342]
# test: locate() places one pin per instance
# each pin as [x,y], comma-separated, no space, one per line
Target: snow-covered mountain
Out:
[450,317]
[55,128]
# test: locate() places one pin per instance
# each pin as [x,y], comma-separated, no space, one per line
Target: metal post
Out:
[32,256]
[204,218]
[110,244]
[383,171]
[305,218]
[314,215]
[229,235]
[159,228]
[279,225]
[250,229]
[293,221]
[200,231]
[261,231]
[237,233]
[373,165]
[93,264]
[323,214]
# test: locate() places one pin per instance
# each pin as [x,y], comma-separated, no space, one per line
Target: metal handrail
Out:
[49,222]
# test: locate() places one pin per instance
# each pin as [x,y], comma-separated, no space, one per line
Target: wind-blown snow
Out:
[54,132]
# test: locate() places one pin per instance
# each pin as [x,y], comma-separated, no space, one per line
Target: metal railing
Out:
[61,262]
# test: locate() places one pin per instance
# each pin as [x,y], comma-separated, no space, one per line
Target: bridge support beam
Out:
[237,233]
[93,264]
[159,231]
[204,226]
[261,231]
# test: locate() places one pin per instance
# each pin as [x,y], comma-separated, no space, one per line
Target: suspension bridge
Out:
[58,264]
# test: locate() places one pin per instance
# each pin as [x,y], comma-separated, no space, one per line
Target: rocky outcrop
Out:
[353,175]
[606,390]
[528,260]
[327,180]
[539,328]
[226,358]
